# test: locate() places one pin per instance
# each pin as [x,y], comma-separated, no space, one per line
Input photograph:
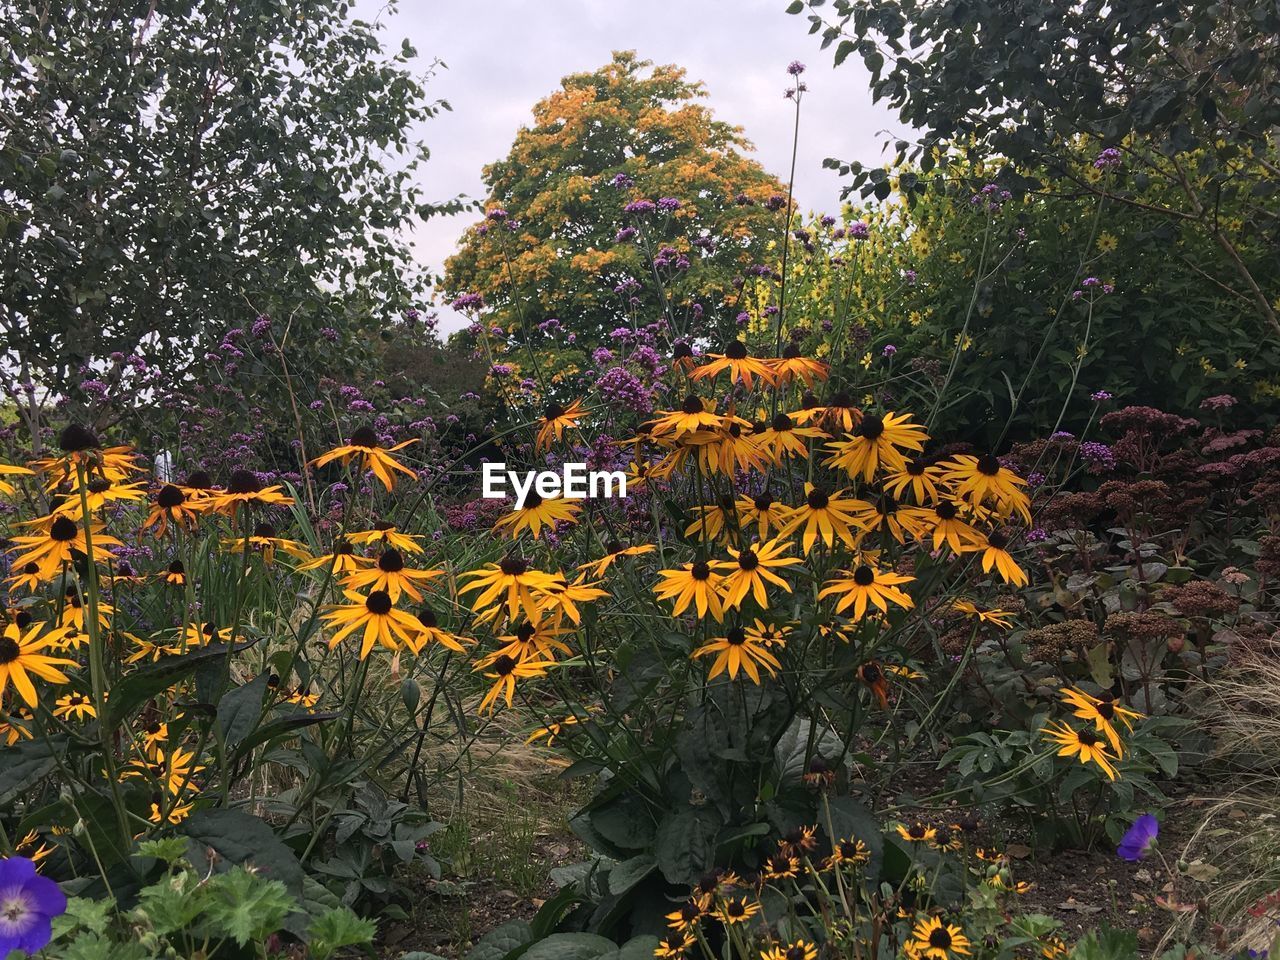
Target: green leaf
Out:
[150,681]
[26,764]
[685,844]
[795,6]
[627,874]
[637,948]
[502,941]
[571,946]
[240,709]
[241,839]
[248,907]
[1099,659]
[338,928]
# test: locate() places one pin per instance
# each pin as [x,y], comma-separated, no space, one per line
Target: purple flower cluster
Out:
[1099,457]
[1108,159]
[640,206]
[992,197]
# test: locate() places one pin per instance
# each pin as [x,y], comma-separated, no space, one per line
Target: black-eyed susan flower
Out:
[751,569]
[736,910]
[732,448]
[430,631]
[392,576]
[555,420]
[736,651]
[199,489]
[931,939]
[995,554]
[202,634]
[982,479]
[552,731]
[686,917]
[504,672]
[537,513]
[171,814]
[715,521]
[97,493]
[154,736]
[560,599]
[840,415]
[244,488]
[823,515]
[781,866]
[877,443]
[55,549]
[873,677]
[15,723]
[795,950]
[178,766]
[866,586]
[994,617]
[74,706]
[529,641]
[81,448]
[793,365]
[9,470]
[1085,745]
[785,438]
[920,477]
[265,540]
[740,365]
[175,573]
[20,659]
[377,619]
[172,506]
[696,413]
[763,512]
[387,533]
[303,697]
[916,832]
[692,583]
[799,841]
[848,852]
[674,945]
[614,551]
[366,447]
[511,581]
[73,611]
[342,559]
[944,523]
[882,515]
[716,882]
[26,577]
[1103,712]
[768,634]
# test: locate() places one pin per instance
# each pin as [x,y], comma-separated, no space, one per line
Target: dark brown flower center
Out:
[427,617]
[791,351]
[504,665]
[763,502]
[170,497]
[177,567]
[63,530]
[513,566]
[199,480]
[525,632]
[864,576]
[737,350]
[553,411]
[9,650]
[998,540]
[243,481]
[532,501]
[378,603]
[989,465]
[692,404]
[871,427]
[736,636]
[946,510]
[781,422]
[700,571]
[365,437]
[76,437]
[681,351]
[748,560]
[391,561]
[940,939]
[264,530]
[99,485]
[817,499]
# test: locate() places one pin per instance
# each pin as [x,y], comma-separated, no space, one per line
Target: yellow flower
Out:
[916,832]
[751,568]
[391,576]
[537,513]
[74,705]
[865,586]
[931,939]
[555,420]
[1085,744]
[692,583]
[504,671]
[20,657]
[368,449]
[823,514]
[377,619]
[1107,243]
[1102,712]
[734,651]
[877,442]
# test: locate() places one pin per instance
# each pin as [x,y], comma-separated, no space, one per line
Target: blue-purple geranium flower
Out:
[1139,839]
[28,904]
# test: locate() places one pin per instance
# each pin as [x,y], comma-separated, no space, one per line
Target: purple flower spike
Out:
[28,902]
[1139,839]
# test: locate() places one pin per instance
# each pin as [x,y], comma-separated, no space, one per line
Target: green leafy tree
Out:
[1182,95]
[551,245]
[166,172]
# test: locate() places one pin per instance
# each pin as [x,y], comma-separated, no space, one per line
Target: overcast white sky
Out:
[505,55]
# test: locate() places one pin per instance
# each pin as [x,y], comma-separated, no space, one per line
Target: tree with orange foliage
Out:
[622,174]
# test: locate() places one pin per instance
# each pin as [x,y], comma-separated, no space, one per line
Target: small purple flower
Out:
[859,230]
[28,904]
[625,234]
[1139,839]
[668,203]
[640,206]
[1108,159]
[889,350]
[1100,396]
[468,301]
[496,213]
[1036,535]
[795,68]
[622,181]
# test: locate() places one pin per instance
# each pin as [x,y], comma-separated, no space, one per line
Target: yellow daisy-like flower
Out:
[982,479]
[916,832]
[561,598]
[996,555]
[716,521]
[741,366]
[736,910]
[841,414]
[342,559]
[8,470]
[686,918]
[751,568]
[765,513]
[553,730]
[511,582]
[781,866]
[876,443]
[694,414]
[389,534]
[920,476]
[263,540]
[1103,713]
[530,641]
[368,449]
[54,550]
[555,420]
[825,515]
[931,939]
[504,672]
[793,366]
[615,551]
[692,583]
[865,586]
[20,659]
[768,634]
[944,523]
[674,945]
[784,438]
[377,619]
[730,449]
[537,513]
[98,492]
[14,723]
[994,617]
[736,651]
[796,950]
[74,706]
[245,488]
[1083,744]
[392,576]
[73,611]
[848,852]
